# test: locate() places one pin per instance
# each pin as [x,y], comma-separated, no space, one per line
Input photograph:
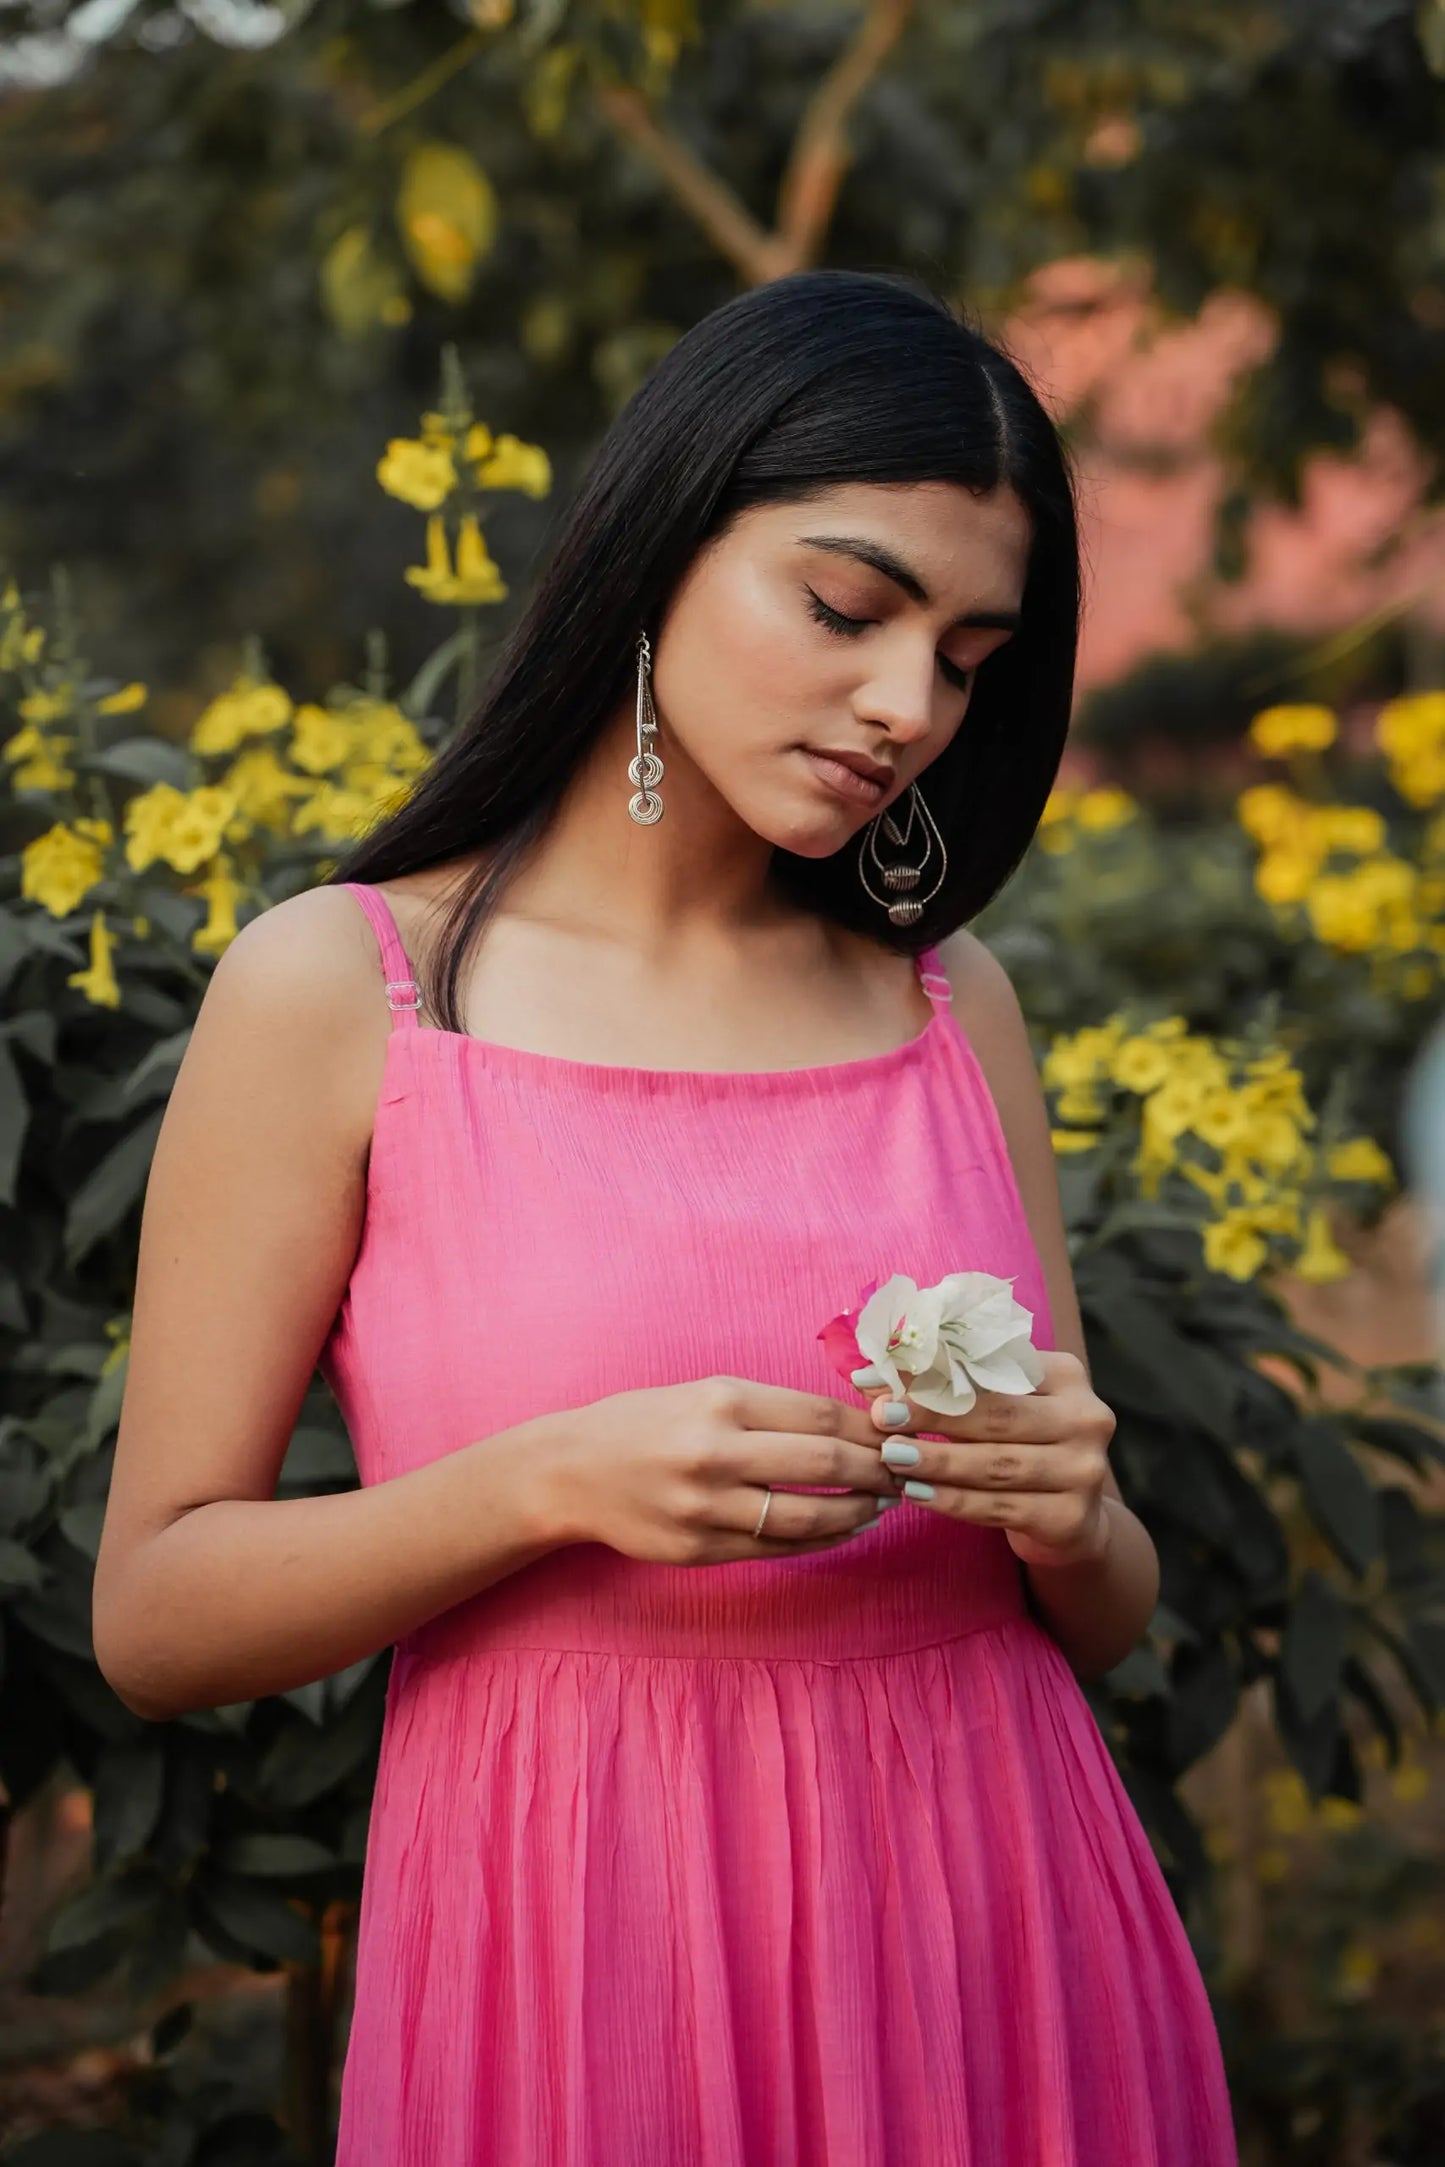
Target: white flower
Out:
[965,1334]
[897,1329]
[983,1340]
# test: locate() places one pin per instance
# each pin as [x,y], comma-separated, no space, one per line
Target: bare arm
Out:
[1100,1610]
[208,1588]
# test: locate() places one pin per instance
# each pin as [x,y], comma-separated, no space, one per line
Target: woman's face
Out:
[785,645]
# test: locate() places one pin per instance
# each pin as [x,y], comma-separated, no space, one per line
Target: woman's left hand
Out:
[1032,1463]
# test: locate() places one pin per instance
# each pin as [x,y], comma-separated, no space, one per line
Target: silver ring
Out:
[762,1515]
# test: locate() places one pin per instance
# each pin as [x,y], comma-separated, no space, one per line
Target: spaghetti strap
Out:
[403,994]
[934,979]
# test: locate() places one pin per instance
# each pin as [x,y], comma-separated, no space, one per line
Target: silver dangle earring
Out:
[902,877]
[646,769]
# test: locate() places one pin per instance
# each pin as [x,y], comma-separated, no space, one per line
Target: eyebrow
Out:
[883,560]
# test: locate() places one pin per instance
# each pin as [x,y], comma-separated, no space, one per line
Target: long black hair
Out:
[814,380]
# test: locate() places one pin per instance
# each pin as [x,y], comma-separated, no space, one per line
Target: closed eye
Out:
[850,627]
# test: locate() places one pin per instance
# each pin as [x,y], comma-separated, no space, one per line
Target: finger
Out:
[987,1466]
[780,1407]
[780,1457]
[793,1519]
[1001,1415]
[1054,1517]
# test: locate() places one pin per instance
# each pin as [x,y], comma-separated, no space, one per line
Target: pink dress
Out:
[815,1861]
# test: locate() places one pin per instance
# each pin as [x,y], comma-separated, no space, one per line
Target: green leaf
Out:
[259,1918]
[1312,1654]
[127,1787]
[155,1073]
[1204,1695]
[143,760]
[1338,1492]
[263,1853]
[111,1188]
[14,1122]
[102,1907]
[18,1568]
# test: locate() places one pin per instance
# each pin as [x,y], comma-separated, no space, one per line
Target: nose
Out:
[902,694]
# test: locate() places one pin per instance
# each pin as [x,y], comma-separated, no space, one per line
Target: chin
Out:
[818,837]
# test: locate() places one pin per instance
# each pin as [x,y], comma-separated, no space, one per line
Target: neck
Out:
[698,870]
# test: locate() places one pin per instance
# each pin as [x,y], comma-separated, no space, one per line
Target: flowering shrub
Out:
[1197,1154]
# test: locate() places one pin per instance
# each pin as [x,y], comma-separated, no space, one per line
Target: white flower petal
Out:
[942,1395]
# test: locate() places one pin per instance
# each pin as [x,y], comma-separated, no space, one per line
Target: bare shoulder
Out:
[984,996]
[304,980]
[988,1008]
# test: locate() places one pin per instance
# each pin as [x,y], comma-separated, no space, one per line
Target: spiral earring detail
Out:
[645,768]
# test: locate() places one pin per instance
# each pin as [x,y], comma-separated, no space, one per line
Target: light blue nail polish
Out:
[895,1413]
[886,1504]
[866,1376]
[897,1452]
[918,1489]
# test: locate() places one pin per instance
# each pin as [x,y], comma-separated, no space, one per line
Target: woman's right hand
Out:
[677,1474]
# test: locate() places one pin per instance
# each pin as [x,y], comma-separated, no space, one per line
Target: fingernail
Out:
[918,1489]
[895,1413]
[885,1504]
[899,1453]
[866,1376]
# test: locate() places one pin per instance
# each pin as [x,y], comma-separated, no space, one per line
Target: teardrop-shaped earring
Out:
[646,768]
[901,877]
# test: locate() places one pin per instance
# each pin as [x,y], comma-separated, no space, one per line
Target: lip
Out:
[850,775]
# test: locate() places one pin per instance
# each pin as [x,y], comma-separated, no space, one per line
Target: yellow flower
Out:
[43,707]
[1358,829]
[509,463]
[1075,1139]
[263,788]
[385,735]
[123,702]
[1320,1260]
[98,981]
[476,579]
[1420,778]
[1221,1119]
[421,474]
[1270,1135]
[1269,812]
[40,760]
[1360,1159]
[1359,1969]
[19,643]
[183,828]
[320,739]
[60,867]
[1140,1064]
[1079,1103]
[1284,876]
[1172,1108]
[1410,724]
[1232,1246]
[335,813]
[251,708]
[1278,731]
[1410,1782]
[222,893]
[1060,805]
[1342,913]
[1290,1808]
[478,574]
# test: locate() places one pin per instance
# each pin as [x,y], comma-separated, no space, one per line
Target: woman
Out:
[724,1816]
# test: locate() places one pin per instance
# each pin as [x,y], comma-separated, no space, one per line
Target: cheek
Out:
[742,667]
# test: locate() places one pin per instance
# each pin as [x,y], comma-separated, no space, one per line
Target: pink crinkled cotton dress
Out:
[807,1861]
